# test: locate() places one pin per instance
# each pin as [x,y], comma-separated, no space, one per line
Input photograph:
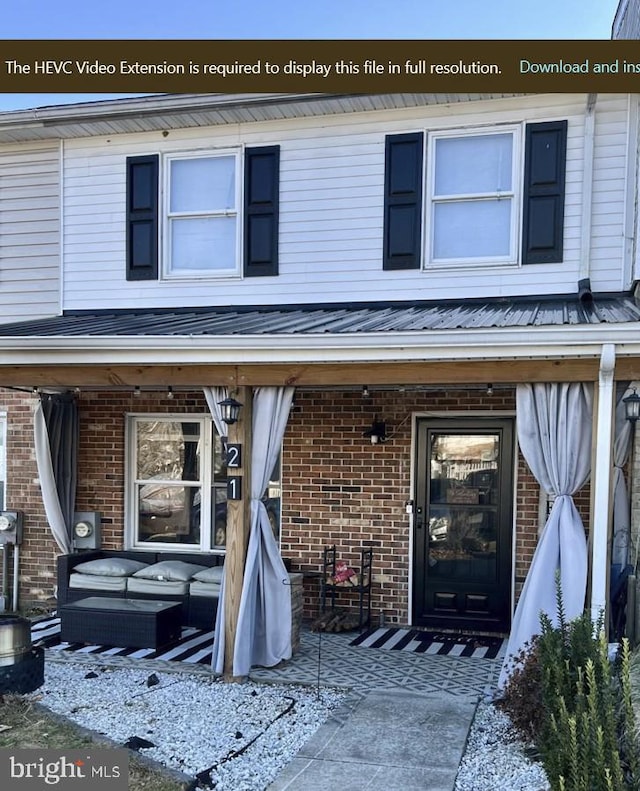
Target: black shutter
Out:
[261,207]
[543,200]
[403,179]
[142,217]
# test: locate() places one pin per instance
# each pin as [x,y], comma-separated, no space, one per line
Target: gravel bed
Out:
[495,758]
[194,722]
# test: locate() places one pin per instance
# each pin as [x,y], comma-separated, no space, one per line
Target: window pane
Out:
[168,513]
[205,245]
[473,164]
[472,229]
[202,184]
[168,450]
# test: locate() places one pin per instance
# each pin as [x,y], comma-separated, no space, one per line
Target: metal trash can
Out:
[21,665]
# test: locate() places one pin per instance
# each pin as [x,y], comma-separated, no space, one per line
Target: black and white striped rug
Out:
[195,645]
[440,643]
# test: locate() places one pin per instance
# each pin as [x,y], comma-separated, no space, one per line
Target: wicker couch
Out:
[199,599]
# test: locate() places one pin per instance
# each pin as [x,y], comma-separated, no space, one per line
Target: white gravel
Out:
[195,722]
[495,757]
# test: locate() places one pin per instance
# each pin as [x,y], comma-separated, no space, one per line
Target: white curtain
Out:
[263,634]
[554,432]
[621,509]
[214,395]
[50,498]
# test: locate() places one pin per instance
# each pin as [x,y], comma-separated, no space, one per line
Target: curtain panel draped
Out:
[621,509]
[213,396]
[263,635]
[554,423]
[56,439]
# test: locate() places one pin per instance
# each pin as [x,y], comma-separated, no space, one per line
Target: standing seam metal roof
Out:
[336,319]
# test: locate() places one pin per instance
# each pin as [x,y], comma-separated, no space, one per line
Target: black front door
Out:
[463,524]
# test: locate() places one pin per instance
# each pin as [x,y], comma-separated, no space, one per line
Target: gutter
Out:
[571,342]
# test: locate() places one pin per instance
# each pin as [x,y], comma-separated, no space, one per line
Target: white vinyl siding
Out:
[29,232]
[331,209]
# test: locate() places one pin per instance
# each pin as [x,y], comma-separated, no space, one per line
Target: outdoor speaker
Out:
[86,530]
[10,527]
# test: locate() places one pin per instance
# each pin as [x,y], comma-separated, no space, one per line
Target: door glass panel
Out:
[462,505]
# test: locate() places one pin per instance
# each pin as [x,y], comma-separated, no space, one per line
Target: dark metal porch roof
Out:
[339,319]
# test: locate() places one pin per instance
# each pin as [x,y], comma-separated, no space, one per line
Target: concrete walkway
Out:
[404,726]
[390,739]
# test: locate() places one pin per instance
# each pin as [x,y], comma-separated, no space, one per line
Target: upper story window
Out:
[486,197]
[202,198]
[203,224]
[473,197]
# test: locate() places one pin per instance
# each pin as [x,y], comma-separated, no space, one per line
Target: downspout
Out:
[601,483]
[584,271]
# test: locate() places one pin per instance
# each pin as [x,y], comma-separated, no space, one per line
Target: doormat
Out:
[194,647]
[437,643]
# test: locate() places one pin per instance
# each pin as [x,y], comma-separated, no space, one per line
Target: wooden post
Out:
[238,524]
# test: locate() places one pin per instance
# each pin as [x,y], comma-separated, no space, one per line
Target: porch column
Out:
[601,484]
[238,525]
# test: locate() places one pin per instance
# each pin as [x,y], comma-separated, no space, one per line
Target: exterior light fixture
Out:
[377,433]
[365,391]
[136,391]
[632,406]
[169,392]
[489,389]
[230,410]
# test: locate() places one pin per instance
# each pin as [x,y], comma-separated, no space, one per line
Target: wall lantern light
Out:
[377,433]
[632,406]
[230,410]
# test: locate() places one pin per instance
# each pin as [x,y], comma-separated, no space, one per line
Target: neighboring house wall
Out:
[331,209]
[627,20]
[29,231]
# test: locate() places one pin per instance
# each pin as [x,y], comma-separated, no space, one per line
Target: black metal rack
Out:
[328,590]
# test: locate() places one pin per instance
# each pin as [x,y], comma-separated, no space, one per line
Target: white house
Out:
[440,271]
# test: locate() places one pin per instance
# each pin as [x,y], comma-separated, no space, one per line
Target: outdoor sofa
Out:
[191,579]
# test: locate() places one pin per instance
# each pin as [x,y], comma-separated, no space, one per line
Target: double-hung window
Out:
[177,484]
[490,196]
[473,197]
[202,198]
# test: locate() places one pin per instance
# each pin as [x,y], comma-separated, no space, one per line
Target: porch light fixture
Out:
[377,433]
[169,392]
[137,392]
[230,410]
[632,406]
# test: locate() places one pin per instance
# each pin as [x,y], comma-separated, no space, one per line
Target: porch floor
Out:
[324,659]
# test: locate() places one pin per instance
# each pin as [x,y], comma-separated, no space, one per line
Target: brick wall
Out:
[340,489]
[337,487]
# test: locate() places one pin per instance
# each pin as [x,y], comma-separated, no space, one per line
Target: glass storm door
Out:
[463,524]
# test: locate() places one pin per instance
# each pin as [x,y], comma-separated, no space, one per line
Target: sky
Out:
[295,19]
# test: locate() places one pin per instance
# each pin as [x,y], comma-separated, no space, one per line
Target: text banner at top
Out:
[349,66]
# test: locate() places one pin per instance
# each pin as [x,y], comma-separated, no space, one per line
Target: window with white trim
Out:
[202,205]
[3,461]
[473,196]
[177,484]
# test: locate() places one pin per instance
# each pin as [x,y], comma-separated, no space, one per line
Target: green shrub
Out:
[568,698]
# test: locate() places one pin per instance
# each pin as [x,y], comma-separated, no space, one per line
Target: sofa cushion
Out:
[110,567]
[97,582]
[212,574]
[209,589]
[172,570]
[158,588]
